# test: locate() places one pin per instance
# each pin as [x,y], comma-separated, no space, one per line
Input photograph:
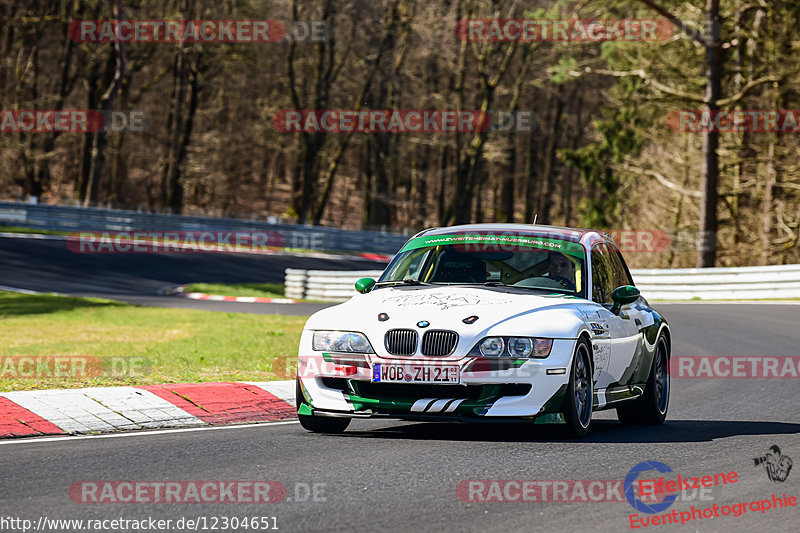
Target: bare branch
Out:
[694,34]
[661,179]
[643,75]
[746,89]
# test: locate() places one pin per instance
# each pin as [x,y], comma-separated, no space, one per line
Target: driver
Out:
[561,269]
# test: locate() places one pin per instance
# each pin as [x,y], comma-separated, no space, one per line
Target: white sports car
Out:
[489,322]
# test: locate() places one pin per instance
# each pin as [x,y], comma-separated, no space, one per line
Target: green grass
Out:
[16,229]
[264,290]
[155,345]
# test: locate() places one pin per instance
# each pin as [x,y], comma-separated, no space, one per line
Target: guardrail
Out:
[740,283]
[325,285]
[743,283]
[67,218]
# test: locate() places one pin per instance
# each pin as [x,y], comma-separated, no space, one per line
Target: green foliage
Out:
[559,73]
[595,162]
[263,290]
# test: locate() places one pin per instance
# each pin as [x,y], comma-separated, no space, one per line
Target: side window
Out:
[620,275]
[601,276]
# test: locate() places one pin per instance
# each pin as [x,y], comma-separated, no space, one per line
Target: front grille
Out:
[401,341]
[439,342]
[410,391]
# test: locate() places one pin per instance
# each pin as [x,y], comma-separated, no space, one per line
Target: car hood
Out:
[499,311]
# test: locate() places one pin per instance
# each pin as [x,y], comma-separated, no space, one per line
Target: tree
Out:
[711,41]
[100,139]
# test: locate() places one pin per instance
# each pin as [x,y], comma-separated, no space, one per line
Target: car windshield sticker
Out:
[567,247]
[444,301]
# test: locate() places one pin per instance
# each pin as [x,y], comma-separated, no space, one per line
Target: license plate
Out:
[413,373]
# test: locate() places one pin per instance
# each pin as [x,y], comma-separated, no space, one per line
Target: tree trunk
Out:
[98,157]
[712,42]
[708,207]
[181,119]
[531,175]
[505,212]
[545,204]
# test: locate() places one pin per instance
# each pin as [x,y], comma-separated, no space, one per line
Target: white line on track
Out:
[15,289]
[39,236]
[70,438]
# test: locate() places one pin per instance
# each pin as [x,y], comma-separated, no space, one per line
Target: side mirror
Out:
[624,295]
[364,285]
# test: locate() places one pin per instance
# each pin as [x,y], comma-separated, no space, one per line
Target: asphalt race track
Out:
[46,265]
[393,476]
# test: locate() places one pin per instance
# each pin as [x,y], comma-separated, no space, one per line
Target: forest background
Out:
[601,153]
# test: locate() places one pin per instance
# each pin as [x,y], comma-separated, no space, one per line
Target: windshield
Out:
[520,261]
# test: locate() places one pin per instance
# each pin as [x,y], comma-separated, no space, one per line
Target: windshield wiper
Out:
[406,281]
[496,283]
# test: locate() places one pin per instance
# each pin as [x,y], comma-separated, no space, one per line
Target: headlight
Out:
[520,346]
[492,346]
[513,347]
[341,341]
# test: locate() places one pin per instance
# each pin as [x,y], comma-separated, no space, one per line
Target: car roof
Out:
[586,236]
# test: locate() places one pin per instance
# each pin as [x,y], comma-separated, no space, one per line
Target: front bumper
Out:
[526,389]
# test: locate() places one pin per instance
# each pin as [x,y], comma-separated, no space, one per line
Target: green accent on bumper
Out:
[468,407]
[552,418]
[398,405]
[327,357]
[303,402]
[555,404]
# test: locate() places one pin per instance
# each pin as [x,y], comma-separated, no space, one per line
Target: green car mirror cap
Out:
[623,295]
[364,285]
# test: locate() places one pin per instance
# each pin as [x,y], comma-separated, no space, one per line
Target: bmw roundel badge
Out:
[423,324]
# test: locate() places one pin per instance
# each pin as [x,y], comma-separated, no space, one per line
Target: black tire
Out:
[651,407]
[580,392]
[319,424]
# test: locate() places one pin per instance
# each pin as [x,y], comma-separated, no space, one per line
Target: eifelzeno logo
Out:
[630,484]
